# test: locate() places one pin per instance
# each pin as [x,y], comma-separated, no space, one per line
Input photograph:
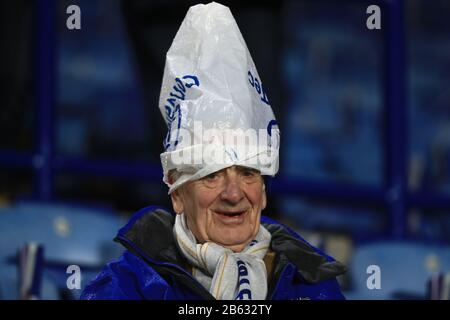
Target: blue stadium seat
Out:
[70,235]
[405,269]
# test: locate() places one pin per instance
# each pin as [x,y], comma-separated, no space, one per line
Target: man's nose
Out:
[232,192]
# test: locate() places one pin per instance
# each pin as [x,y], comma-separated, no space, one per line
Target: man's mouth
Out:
[231,216]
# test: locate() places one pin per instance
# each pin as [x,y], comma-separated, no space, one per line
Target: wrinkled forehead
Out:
[175,174]
[238,169]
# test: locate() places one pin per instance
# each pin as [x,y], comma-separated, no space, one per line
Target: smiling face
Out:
[224,207]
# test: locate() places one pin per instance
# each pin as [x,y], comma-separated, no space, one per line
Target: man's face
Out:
[224,207]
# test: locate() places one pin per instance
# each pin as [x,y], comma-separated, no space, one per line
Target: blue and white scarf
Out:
[226,274]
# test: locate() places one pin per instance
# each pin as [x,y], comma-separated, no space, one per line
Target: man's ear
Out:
[177,202]
[175,196]
[264,197]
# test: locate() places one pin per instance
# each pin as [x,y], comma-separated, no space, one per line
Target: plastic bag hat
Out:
[212,99]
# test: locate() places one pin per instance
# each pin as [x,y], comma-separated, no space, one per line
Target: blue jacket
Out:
[152,267]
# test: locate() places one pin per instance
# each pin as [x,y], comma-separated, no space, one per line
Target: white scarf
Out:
[226,274]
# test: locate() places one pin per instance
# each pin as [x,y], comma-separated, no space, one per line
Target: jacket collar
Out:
[150,232]
[312,265]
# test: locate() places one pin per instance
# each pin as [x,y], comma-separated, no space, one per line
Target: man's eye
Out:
[212,176]
[250,175]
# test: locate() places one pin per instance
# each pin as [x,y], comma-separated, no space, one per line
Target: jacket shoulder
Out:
[317,272]
[128,278]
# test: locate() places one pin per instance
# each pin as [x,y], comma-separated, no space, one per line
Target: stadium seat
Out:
[69,234]
[405,268]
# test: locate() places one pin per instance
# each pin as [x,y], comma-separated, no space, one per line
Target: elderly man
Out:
[216,245]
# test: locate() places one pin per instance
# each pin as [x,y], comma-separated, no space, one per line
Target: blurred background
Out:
[364,118]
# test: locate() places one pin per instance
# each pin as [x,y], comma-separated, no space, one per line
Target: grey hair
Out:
[174,175]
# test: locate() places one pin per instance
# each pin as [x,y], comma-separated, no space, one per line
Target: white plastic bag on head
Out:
[213,101]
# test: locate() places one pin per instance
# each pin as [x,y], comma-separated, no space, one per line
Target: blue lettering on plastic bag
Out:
[255,83]
[172,106]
